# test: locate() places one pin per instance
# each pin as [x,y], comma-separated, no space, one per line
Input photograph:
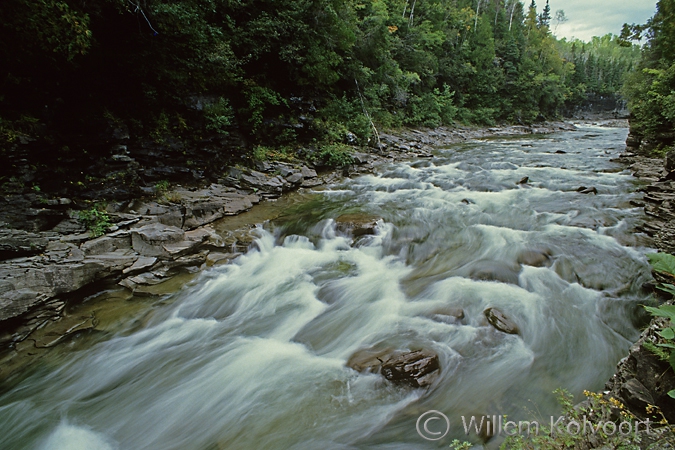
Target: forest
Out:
[650,89]
[237,77]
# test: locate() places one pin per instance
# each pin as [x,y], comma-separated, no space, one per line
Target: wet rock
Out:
[497,319]
[561,152]
[446,314]
[145,279]
[564,267]
[467,201]
[488,270]
[369,360]
[65,329]
[587,190]
[417,368]
[356,225]
[535,258]
[643,379]
[524,180]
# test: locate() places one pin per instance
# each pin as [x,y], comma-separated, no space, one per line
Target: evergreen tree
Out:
[545,16]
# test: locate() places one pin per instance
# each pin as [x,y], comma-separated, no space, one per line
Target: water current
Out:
[252,354]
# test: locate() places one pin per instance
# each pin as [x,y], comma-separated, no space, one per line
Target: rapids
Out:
[252,354]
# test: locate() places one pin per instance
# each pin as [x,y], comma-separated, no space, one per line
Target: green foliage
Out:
[456,444]
[662,262]
[652,100]
[359,64]
[432,109]
[667,334]
[341,116]
[265,153]
[665,264]
[162,186]
[334,155]
[219,116]
[650,90]
[596,410]
[96,219]
[258,101]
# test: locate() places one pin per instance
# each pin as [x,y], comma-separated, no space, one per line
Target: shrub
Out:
[333,155]
[96,220]
[219,116]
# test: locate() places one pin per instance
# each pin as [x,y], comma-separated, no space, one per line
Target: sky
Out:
[588,18]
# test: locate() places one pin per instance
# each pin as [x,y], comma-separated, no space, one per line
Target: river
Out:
[252,354]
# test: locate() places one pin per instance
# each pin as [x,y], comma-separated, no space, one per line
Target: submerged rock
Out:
[356,224]
[587,190]
[417,368]
[488,270]
[535,258]
[501,322]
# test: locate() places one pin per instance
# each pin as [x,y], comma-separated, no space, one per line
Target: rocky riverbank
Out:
[642,380]
[151,239]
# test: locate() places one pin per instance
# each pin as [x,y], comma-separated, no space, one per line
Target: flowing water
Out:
[252,355]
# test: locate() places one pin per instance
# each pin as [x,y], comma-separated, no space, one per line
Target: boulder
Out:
[416,369]
[356,224]
[524,180]
[295,178]
[535,258]
[497,319]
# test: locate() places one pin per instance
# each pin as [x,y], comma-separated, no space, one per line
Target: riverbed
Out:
[253,354]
